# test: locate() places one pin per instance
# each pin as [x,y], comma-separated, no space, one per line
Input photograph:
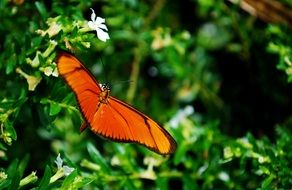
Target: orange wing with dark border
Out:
[108,116]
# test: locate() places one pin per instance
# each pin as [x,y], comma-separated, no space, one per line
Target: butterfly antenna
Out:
[121,82]
[103,67]
[111,83]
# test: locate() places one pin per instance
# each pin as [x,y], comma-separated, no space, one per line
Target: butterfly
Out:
[107,116]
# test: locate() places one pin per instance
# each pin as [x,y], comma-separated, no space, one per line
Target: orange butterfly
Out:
[108,116]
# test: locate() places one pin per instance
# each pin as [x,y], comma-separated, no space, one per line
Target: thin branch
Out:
[139,51]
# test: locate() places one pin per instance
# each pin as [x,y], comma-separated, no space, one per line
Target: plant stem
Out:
[139,51]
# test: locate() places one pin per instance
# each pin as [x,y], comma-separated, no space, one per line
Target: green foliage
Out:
[281,45]
[170,52]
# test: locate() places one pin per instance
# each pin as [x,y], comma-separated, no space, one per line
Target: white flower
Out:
[59,161]
[97,24]
[32,81]
[48,71]
[181,115]
[55,72]
[67,170]
[224,176]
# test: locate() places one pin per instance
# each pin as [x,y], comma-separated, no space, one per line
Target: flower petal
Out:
[91,25]
[55,72]
[33,82]
[103,36]
[48,71]
[99,20]
[93,15]
[102,26]
[59,161]
[67,170]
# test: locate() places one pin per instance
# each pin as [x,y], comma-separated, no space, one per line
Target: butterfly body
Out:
[104,94]
[108,116]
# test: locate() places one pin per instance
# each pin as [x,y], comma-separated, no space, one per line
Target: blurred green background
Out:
[216,77]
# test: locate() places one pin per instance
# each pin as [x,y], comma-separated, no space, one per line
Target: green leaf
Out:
[10,66]
[180,152]
[13,175]
[46,179]
[127,184]
[42,9]
[44,101]
[82,182]
[189,183]
[21,100]
[5,184]
[22,165]
[12,168]
[2,146]
[68,183]
[14,182]
[161,183]
[54,109]
[6,105]
[10,130]
[267,182]
[96,156]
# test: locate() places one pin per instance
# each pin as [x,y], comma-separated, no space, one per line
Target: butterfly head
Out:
[105,87]
[104,94]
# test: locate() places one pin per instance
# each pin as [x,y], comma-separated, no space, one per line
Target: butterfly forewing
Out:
[83,84]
